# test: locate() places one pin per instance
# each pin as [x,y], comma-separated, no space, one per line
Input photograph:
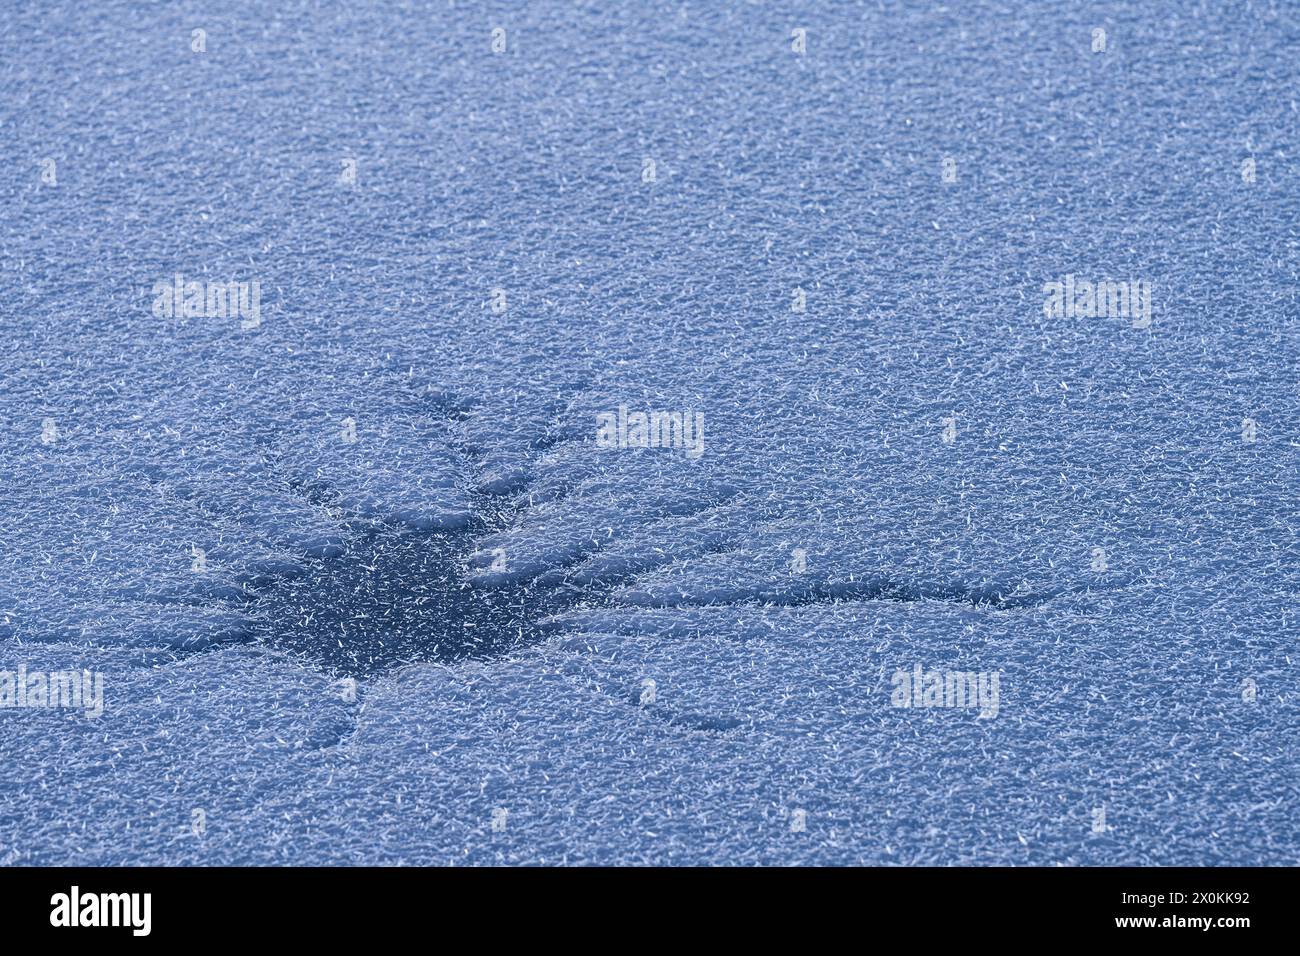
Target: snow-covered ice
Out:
[359,574]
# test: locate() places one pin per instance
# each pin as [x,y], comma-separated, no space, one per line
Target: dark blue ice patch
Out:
[398,597]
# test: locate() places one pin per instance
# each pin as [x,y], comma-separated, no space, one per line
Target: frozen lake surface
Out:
[367,583]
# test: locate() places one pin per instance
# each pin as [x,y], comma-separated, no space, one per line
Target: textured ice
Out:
[643,656]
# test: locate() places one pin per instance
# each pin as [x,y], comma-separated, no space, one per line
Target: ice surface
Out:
[394,478]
